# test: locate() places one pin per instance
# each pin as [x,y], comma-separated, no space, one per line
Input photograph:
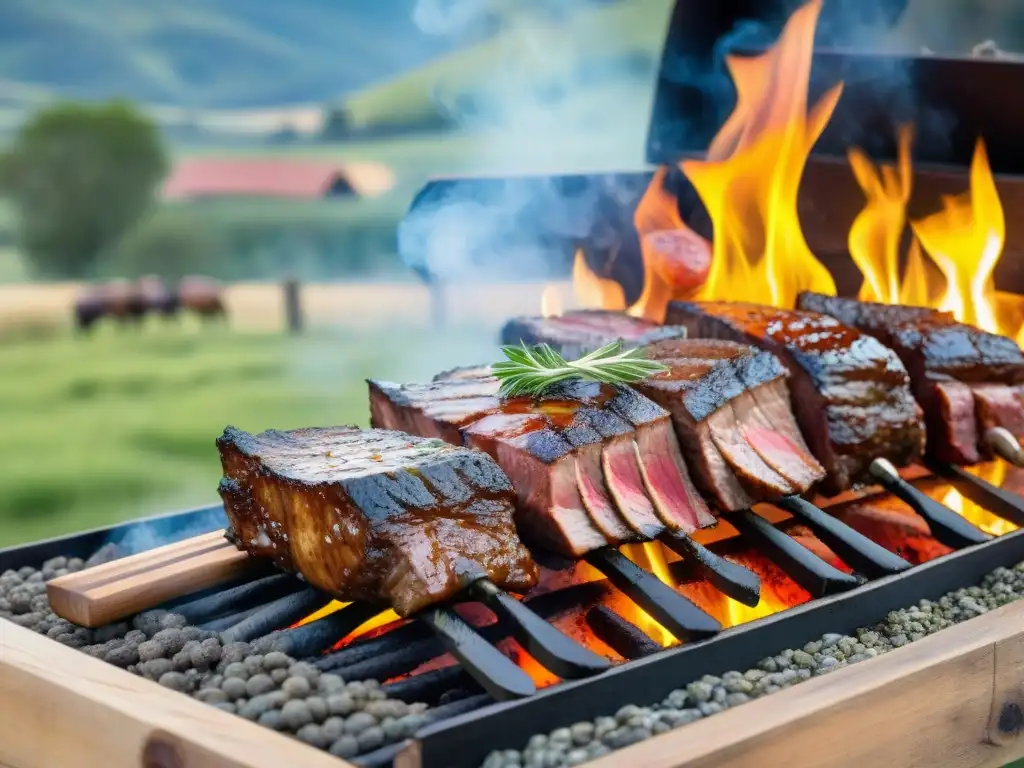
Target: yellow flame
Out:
[994,473]
[551,301]
[738,613]
[651,557]
[874,239]
[965,239]
[749,182]
[334,606]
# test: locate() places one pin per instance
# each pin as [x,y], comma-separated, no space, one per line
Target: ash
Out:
[272,689]
[586,741]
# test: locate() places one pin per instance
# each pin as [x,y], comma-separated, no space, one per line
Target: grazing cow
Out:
[150,294]
[90,307]
[202,295]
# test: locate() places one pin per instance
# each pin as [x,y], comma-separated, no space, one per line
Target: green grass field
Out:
[122,425]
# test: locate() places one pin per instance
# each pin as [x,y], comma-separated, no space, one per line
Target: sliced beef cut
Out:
[851,395]
[738,456]
[575,334]
[967,380]
[592,464]
[373,515]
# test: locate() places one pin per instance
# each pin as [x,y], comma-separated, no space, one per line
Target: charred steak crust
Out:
[373,515]
[581,456]
[851,394]
[738,451]
[928,341]
[967,380]
[575,334]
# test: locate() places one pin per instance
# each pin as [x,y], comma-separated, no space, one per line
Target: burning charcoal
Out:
[236,669]
[370,739]
[330,684]
[341,704]
[276,660]
[176,681]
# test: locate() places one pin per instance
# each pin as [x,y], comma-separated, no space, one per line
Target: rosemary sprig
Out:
[532,370]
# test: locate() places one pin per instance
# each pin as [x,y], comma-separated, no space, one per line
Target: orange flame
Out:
[749,182]
[593,291]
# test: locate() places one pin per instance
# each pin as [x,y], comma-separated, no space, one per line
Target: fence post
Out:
[293,305]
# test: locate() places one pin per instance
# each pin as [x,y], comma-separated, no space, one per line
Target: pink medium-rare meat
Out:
[373,515]
[967,380]
[851,395]
[592,464]
[737,454]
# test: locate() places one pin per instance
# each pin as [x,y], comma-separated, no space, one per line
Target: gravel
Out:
[588,740]
[274,690]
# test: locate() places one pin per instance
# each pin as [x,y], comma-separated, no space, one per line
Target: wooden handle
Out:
[110,592]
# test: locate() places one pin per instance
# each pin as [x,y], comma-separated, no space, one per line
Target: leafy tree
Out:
[170,243]
[80,176]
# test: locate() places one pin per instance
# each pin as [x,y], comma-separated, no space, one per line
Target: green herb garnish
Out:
[532,370]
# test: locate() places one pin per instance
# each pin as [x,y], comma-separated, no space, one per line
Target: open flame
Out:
[749,183]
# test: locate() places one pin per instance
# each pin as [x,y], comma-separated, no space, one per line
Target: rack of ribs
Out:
[592,464]
[851,395]
[968,381]
[373,515]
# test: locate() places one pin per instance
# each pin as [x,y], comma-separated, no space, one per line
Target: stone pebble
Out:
[272,689]
[588,740]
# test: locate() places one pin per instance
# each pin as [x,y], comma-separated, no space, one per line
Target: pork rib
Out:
[967,380]
[373,515]
[850,394]
[592,465]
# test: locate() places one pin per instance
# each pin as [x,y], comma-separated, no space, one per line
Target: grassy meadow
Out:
[120,425]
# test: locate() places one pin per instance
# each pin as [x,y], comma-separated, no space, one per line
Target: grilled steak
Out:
[578,333]
[731,411]
[373,515]
[966,380]
[851,395]
[591,464]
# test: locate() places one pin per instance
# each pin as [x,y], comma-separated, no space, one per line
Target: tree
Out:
[171,243]
[80,176]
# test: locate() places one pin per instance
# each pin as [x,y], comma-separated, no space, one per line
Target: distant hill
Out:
[203,54]
[237,54]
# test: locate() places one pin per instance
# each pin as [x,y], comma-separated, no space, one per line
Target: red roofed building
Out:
[297,179]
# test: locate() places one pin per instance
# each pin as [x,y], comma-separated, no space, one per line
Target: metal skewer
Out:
[728,578]
[662,603]
[799,563]
[998,501]
[946,526]
[854,548]
[556,651]
[1005,446]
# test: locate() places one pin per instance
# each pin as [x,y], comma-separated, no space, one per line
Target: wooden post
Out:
[293,305]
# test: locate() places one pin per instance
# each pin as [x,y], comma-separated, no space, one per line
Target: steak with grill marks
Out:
[373,515]
[851,395]
[967,380]
[739,450]
[575,334]
[592,464]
